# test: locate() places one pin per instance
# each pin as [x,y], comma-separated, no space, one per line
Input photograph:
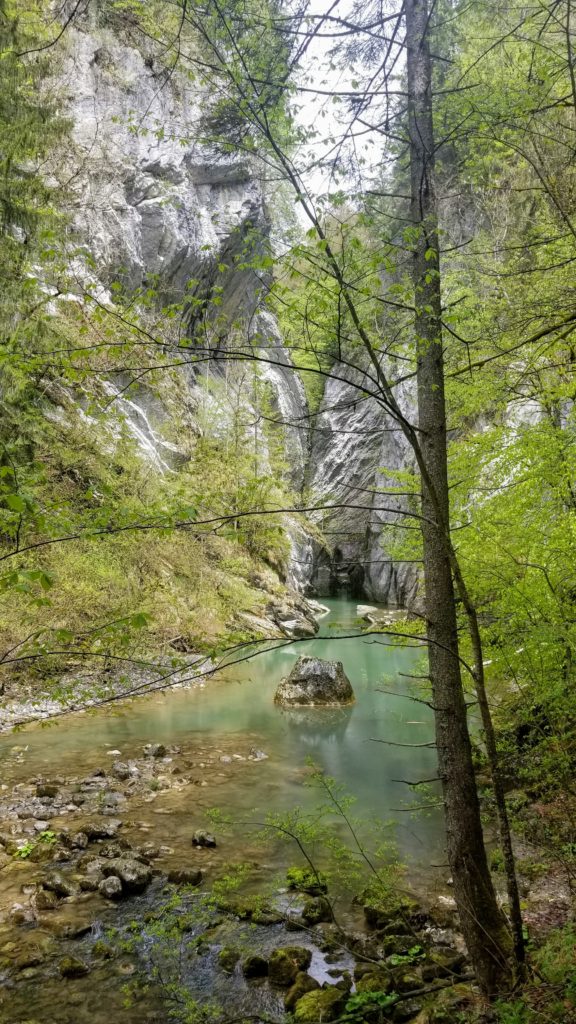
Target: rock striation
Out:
[314,682]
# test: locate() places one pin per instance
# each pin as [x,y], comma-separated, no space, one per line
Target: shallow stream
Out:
[238,705]
[222,728]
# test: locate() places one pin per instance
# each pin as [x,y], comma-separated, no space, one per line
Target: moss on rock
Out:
[325,1004]
[286,963]
[303,984]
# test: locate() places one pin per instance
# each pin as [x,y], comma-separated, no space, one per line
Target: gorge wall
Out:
[154,207]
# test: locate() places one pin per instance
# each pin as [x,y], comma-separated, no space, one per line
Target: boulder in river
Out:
[315,682]
[133,874]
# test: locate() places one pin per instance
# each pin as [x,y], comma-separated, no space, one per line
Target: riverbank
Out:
[94,682]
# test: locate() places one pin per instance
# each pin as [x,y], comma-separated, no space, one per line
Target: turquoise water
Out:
[237,706]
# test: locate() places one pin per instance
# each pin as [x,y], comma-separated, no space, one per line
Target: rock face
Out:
[356,450]
[314,682]
[149,201]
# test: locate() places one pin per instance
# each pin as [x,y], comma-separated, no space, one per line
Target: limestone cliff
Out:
[153,206]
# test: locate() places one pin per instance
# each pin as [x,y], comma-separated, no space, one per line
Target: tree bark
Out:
[483,924]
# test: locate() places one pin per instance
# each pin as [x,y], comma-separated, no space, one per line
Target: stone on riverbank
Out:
[314,682]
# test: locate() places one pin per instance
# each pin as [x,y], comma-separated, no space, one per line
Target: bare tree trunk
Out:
[482,922]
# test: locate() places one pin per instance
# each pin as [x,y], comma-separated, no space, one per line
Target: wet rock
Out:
[22,915]
[110,888]
[316,909]
[133,874]
[102,829]
[315,682]
[185,876]
[89,883]
[73,967]
[74,841]
[228,958]
[30,956]
[150,851]
[325,1004]
[254,966]
[201,838]
[266,916]
[103,950]
[59,854]
[92,865]
[66,928]
[44,900]
[40,826]
[120,770]
[303,983]
[361,970]
[394,945]
[154,750]
[286,963]
[345,983]
[47,789]
[58,883]
[112,799]
[110,850]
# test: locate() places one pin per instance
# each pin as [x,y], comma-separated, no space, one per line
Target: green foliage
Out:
[44,838]
[362,1005]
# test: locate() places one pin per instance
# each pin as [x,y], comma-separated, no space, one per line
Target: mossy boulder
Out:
[325,1004]
[304,880]
[316,909]
[374,981]
[286,963]
[303,984]
[254,966]
[73,967]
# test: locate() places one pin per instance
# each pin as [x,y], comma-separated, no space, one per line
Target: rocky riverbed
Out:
[83,857]
[112,901]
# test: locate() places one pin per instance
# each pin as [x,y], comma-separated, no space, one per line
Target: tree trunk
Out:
[482,922]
